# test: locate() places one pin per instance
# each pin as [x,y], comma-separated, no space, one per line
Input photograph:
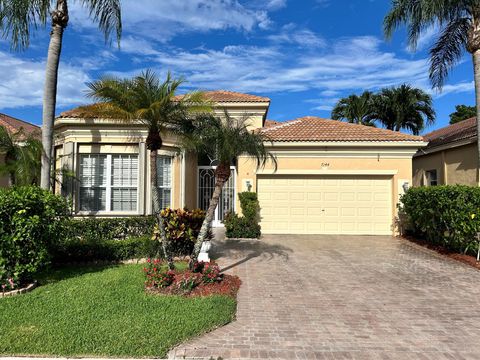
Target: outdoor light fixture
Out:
[405,186]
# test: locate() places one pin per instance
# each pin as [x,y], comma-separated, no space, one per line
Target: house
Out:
[332,177]
[451,156]
[14,125]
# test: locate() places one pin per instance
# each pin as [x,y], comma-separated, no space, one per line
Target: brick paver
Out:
[340,297]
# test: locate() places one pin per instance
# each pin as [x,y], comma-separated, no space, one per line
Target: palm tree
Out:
[355,109]
[459,23]
[22,157]
[224,139]
[19,17]
[147,100]
[404,107]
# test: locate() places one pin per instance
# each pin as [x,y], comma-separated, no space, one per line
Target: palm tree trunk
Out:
[222,174]
[59,22]
[156,207]
[476,71]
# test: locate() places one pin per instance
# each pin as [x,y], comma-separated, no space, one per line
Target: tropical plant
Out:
[462,112]
[404,107]
[355,109]
[224,139]
[17,20]
[22,154]
[459,25]
[147,100]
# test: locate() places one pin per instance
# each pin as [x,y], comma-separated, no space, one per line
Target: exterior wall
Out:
[455,165]
[191,194]
[325,162]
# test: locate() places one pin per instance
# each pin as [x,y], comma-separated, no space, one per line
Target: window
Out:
[431,176]
[164,172]
[108,182]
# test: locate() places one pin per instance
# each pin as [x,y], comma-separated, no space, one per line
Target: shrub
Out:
[188,281]
[75,250]
[444,215]
[181,229]
[157,276]
[31,222]
[245,226]
[211,273]
[108,239]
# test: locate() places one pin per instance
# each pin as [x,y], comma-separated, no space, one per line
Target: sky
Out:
[302,54]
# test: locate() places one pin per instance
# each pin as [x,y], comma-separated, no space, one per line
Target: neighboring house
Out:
[451,156]
[14,125]
[332,177]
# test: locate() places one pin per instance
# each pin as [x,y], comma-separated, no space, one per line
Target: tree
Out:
[19,17]
[224,139]
[459,22]
[404,107]
[462,112]
[147,100]
[22,157]
[355,109]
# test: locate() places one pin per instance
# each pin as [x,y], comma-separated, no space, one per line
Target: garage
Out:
[315,204]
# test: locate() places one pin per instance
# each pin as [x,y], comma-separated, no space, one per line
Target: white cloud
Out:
[426,38]
[21,82]
[301,37]
[349,64]
[276,4]
[455,88]
[162,20]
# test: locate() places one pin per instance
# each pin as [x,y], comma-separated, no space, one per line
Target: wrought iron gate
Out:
[206,186]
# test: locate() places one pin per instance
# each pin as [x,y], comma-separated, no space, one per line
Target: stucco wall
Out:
[401,169]
[457,165]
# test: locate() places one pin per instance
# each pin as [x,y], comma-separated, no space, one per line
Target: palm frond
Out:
[18,17]
[448,50]
[108,15]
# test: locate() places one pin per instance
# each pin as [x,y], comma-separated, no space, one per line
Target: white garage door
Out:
[325,205]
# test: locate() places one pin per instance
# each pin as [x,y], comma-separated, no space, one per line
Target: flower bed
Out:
[204,280]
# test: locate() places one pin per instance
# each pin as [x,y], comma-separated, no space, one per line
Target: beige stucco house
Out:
[450,157]
[332,177]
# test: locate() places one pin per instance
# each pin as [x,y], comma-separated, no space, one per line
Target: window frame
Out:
[162,187]
[109,186]
[429,179]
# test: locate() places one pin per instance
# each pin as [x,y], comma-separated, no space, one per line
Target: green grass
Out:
[103,312]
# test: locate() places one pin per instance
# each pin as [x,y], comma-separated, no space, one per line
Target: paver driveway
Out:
[340,297]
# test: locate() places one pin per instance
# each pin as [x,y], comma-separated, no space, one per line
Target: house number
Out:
[325,165]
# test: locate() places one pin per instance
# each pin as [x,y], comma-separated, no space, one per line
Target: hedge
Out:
[246,226]
[444,215]
[109,239]
[31,221]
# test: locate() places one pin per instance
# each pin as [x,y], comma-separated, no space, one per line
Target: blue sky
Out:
[303,54]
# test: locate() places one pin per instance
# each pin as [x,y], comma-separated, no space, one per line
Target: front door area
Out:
[206,186]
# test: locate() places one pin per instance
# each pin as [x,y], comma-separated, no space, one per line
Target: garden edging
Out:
[24,290]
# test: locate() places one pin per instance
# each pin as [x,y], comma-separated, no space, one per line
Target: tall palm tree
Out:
[224,139]
[147,100]
[19,17]
[404,107]
[459,22]
[22,157]
[355,109]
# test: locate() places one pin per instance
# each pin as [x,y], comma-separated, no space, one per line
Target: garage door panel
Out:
[325,205]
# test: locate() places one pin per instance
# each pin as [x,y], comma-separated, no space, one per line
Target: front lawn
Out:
[104,312]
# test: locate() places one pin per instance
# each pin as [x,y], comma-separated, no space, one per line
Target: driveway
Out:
[340,297]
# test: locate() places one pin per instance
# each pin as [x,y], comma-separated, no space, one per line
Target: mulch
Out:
[464,258]
[227,286]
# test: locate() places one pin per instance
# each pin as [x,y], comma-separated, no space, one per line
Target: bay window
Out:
[108,182]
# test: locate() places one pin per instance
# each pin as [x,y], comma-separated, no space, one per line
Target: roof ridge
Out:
[17,119]
[284,124]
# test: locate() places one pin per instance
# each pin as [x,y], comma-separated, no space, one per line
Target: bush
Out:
[31,223]
[211,273]
[444,215]
[181,229]
[106,239]
[246,226]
